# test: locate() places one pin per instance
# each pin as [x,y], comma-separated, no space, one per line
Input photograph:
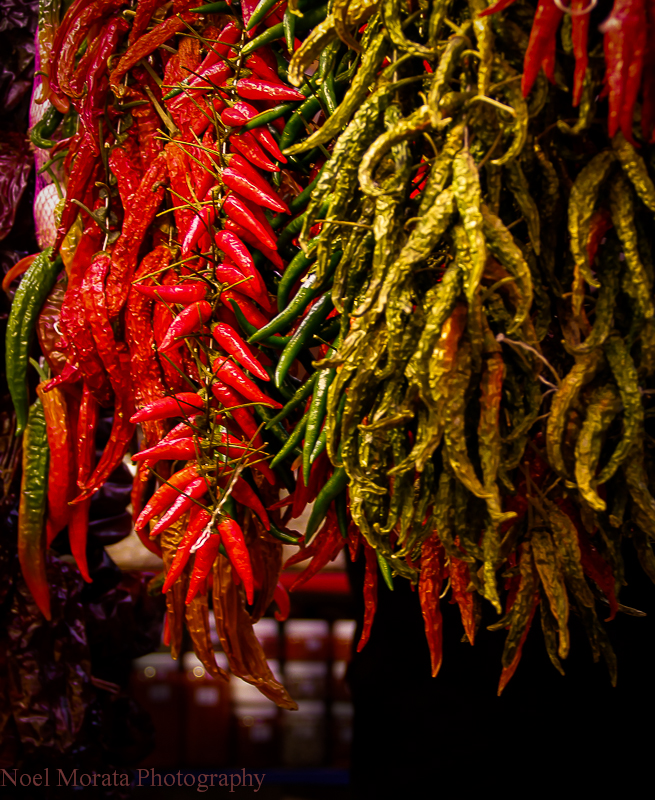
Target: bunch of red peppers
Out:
[188,309]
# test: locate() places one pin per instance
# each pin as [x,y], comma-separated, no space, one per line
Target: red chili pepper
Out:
[202,565]
[178,168]
[179,405]
[166,494]
[78,528]
[198,520]
[242,416]
[648,83]
[541,46]
[235,346]
[232,538]
[229,373]
[255,188]
[194,490]
[247,145]
[188,321]
[75,34]
[281,598]
[246,189]
[204,80]
[200,224]
[172,364]
[145,45]
[459,581]
[507,672]
[601,222]
[231,276]
[138,219]
[80,177]
[127,174]
[429,589]
[17,270]
[185,293]
[69,375]
[178,449]
[331,544]
[261,69]
[579,36]
[370,594]
[254,89]
[624,41]
[235,250]
[243,493]
[237,210]
[93,102]
[501,5]
[61,472]
[249,310]
[253,241]
[239,114]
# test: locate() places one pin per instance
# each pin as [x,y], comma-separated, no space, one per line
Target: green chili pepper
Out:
[316,418]
[354,96]
[263,7]
[385,569]
[341,507]
[45,127]
[283,537]
[295,437]
[212,8]
[31,513]
[307,328]
[292,273]
[301,394]
[30,295]
[309,19]
[332,489]
[309,289]
[279,342]
[518,185]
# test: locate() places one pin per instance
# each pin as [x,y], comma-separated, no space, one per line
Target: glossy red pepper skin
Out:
[232,538]
[171,362]
[501,5]
[188,321]
[239,114]
[272,255]
[239,165]
[179,405]
[229,373]
[177,449]
[235,346]
[648,83]
[238,211]
[205,79]
[331,544]
[235,250]
[81,175]
[194,490]
[198,520]
[127,174]
[183,294]
[178,167]
[200,224]
[248,308]
[261,69]
[541,46]
[202,565]
[242,416]
[254,89]
[248,146]
[236,280]
[579,36]
[166,494]
[244,494]
[243,186]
